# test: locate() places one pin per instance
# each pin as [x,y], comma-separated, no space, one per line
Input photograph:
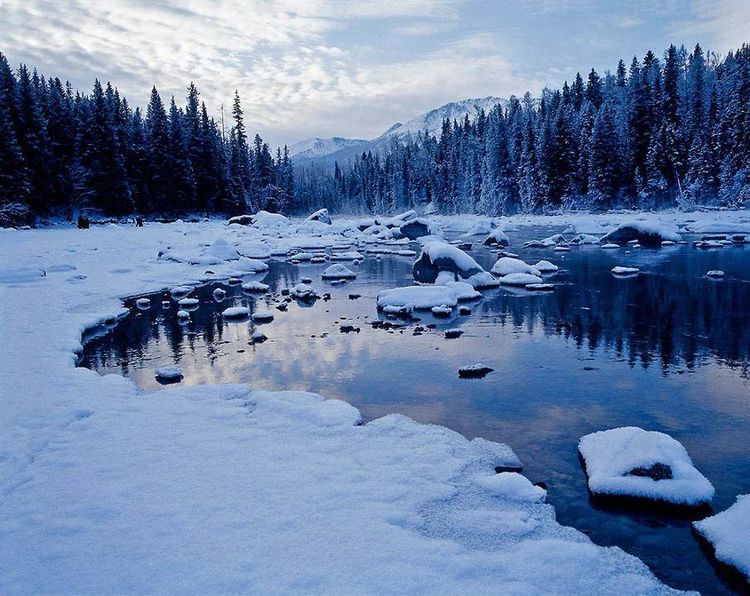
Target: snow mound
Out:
[255,287]
[222,251]
[482,281]
[715,273]
[511,485]
[180,292]
[304,291]
[264,219]
[351,255]
[508,265]
[189,303]
[647,233]
[441,256]
[481,228]
[587,227]
[632,462]
[496,238]
[546,267]
[338,271]
[263,316]
[417,297]
[441,311]
[728,533]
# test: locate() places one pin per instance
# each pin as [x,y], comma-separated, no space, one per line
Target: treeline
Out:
[659,133]
[62,151]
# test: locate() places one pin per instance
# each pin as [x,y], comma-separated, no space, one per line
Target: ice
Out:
[169,373]
[508,265]
[236,312]
[440,256]
[338,271]
[520,279]
[623,461]
[646,232]
[20,275]
[418,297]
[728,533]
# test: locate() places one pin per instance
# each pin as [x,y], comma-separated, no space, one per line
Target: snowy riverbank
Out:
[104,488]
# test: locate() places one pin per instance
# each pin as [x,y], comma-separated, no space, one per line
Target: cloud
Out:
[722,25]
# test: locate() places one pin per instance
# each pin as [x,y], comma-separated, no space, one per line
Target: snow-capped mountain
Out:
[325,151]
[317,147]
[432,121]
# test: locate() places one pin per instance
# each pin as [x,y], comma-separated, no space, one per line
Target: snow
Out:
[338,271]
[418,297]
[236,312]
[647,232]
[511,485]
[351,255]
[508,265]
[613,455]
[728,533]
[716,273]
[180,292]
[441,256]
[610,245]
[228,488]
[189,303]
[520,279]
[482,280]
[320,215]
[441,311]
[143,303]
[304,291]
[496,238]
[464,291]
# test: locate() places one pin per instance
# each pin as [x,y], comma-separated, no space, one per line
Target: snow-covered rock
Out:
[464,291]
[143,303]
[179,292]
[481,228]
[715,273]
[350,255]
[474,371]
[236,312]
[441,256]
[304,291]
[483,280]
[338,271]
[320,215]
[508,265]
[646,232]
[610,246]
[622,271]
[262,316]
[264,219]
[189,303]
[416,228]
[520,279]
[497,237]
[441,311]
[168,374]
[546,267]
[728,533]
[632,462]
[222,251]
[417,297]
[219,294]
[256,287]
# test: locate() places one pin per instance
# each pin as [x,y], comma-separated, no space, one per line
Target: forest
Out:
[660,133]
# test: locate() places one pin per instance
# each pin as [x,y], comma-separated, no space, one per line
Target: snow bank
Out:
[625,462]
[728,533]
[417,297]
[440,256]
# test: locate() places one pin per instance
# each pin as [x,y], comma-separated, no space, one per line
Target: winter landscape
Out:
[369,345]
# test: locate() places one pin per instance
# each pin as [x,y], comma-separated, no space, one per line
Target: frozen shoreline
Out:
[218,488]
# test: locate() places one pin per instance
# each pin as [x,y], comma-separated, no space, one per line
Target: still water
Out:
[668,350]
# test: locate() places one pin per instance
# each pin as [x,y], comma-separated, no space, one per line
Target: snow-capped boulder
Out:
[189,303]
[621,271]
[483,280]
[586,226]
[180,292]
[242,220]
[715,274]
[236,312]
[728,533]
[632,462]
[416,228]
[304,292]
[441,311]
[255,287]
[168,374]
[320,215]
[481,228]
[584,239]
[546,267]
[264,219]
[338,271]
[417,297]
[464,291]
[520,279]
[508,265]
[440,256]
[143,303]
[262,316]
[474,371]
[219,294]
[398,220]
[647,233]
[497,237]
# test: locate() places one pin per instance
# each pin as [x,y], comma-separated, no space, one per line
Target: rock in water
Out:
[474,371]
[440,256]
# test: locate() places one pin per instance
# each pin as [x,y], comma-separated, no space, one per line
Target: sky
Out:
[349,68]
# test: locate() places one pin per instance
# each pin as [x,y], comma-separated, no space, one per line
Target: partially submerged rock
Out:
[635,463]
[236,312]
[621,271]
[520,279]
[416,228]
[168,374]
[338,272]
[417,297]
[474,371]
[647,233]
[507,265]
[441,256]
[320,215]
[497,237]
[728,533]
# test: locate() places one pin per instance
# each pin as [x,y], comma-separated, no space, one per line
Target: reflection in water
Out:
[667,350]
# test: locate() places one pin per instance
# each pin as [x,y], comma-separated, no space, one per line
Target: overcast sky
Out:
[349,68]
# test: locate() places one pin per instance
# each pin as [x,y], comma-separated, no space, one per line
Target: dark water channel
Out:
[667,350]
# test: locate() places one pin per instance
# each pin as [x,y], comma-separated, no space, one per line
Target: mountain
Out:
[317,147]
[324,152]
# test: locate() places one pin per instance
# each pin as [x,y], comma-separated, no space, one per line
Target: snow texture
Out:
[728,533]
